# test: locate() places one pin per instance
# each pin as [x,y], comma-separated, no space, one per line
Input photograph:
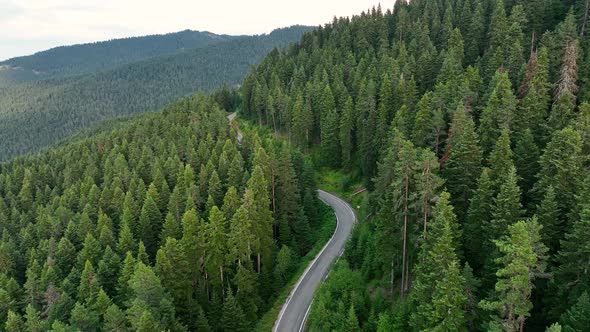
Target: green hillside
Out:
[87,58]
[165,223]
[40,113]
[468,121]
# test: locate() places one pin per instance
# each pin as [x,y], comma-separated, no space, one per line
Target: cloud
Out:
[9,9]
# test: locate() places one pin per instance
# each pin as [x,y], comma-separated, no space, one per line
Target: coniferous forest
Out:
[168,224]
[467,122]
[140,75]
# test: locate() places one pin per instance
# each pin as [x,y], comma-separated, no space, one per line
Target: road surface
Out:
[294,312]
[231,118]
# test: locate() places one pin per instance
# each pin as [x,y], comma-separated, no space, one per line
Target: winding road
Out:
[294,313]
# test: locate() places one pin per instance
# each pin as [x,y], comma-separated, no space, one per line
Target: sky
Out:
[28,26]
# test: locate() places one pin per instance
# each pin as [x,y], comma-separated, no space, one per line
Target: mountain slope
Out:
[469,124]
[40,113]
[86,58]
[166,216]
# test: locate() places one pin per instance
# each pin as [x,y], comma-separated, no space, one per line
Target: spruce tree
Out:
[549,217]
[150,222]
[571,276]
[560,165]
[346,134]
[439,302]
[463,165]
[215,246]
[498,113]
[478,217]
[577,317]
[232,318]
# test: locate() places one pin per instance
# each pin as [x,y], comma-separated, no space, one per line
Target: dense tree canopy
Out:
[133,229]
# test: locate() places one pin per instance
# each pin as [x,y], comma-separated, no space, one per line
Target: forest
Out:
[166,224]
[37,114]
[79,59]
[469,123]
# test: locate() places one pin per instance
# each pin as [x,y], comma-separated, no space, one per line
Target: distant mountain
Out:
[86,58]
[42,112]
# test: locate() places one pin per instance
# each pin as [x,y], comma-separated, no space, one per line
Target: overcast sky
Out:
[28,26]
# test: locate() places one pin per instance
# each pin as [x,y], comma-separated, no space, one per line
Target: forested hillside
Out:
[468,121]
[165,224]
[37,114]
[86,58]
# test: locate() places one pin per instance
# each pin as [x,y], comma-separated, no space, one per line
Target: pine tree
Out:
[107,271]
[150,223]
[498,113]
[463,165]
[126,241]
[257,202]
[301,122]
[173,270]
[14,322]
[428,183]
[478,216]
[385,109]
[423,133]
[83,318]
[215,189]
[352,323]
[522,262]
[507,208]
[346,134]
[526,160]
[147,323]
[560,166]
[114,319]
[571,276]
[215,246]
[549,217]
[577,317]
[34,323]
[535,97]
[440,302]
[471,288]
[233,316]
[89,284]
[500,158]
[231,203]
[241,237]
[123,290]
[330,144]
[171,229]
[202,324]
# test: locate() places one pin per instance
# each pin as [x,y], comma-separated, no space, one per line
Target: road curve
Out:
[294,312]
[231,118]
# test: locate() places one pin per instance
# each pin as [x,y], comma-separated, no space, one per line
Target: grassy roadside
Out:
[324,234]
[341,184]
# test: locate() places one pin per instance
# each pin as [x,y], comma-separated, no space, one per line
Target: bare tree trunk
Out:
[404,271]
[392,278]
[585,20]
[258,262]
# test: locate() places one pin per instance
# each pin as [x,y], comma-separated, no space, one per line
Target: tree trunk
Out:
[585,20]
[405,232]
[258,263]
[392,278]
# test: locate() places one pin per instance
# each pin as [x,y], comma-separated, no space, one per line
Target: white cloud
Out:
[39,23]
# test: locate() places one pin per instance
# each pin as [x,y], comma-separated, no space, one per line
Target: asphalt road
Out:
[231,118]
[294,312]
